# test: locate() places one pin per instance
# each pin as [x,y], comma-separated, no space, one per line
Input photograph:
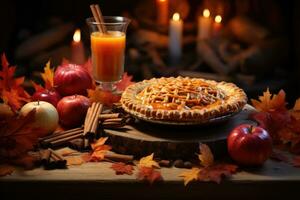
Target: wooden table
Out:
[98,181]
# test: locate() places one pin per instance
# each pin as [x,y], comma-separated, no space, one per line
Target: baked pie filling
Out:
[182,99]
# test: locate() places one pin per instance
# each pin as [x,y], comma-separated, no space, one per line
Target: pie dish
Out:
[182,100]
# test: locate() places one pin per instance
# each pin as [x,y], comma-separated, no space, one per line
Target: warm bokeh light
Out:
[218,19]
[162,0]
[206,13]
[176,16]
[77,35]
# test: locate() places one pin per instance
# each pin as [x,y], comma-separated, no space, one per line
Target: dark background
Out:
[21,19]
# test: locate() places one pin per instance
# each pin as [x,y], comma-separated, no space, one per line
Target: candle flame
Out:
[162,0]
[206,13]
[218,19]
[77,35]
[176,17]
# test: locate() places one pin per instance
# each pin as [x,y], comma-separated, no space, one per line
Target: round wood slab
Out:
[171,141]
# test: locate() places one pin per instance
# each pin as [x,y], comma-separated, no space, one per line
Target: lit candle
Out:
[204,25]
[175,38]
[217,25]
[162,11]
[77,49]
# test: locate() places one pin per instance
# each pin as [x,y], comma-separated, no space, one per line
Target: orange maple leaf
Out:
[105,97]
[11,90]
[121,168]
[190,175]
[149,174]
[125,82]
[295,112]
[269,102]
[99,150]
[48,75]
[206,157]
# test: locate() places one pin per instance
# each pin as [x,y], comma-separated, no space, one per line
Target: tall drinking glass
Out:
[108,50]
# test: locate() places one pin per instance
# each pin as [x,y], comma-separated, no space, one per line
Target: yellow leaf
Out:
[148,162]
[48,76]
[297,105]
[74,160]
[268,102]
[104,97]
[100,142]
[206,157]
[190,175]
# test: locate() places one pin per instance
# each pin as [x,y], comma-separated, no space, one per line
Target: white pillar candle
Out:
[204,25]
[175,38]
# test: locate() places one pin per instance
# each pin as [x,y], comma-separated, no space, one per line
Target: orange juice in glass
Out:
[108,50]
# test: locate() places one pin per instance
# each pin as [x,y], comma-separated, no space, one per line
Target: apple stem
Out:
[250,129]
[38,102]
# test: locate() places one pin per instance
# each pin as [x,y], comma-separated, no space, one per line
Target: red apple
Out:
[249,145]
[72,110]
[50,96]
[72,79]
[46,116]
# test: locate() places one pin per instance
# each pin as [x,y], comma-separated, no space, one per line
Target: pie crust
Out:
[182,99]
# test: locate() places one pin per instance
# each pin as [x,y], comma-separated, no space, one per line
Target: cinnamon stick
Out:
[109,116]
[65,141]
[56,161]
[58,133]
[118,157]
[91,122]
[96,11]
[44,156]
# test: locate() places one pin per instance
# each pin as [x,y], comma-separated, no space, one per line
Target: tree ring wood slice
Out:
[174,142]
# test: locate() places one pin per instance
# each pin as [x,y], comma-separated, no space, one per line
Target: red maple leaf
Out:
[149,174]
[125,82]
[122,168]
[216,172]
[11,90]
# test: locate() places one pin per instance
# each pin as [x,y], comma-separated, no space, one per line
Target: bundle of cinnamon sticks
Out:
[80,137]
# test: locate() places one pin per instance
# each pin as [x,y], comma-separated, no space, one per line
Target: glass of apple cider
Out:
[108,49]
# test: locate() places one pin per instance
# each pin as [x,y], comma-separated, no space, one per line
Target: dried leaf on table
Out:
[190,175]
[269,102]
[105,97]
[99,150]
[206,157]
[148,162]
[11,90]
[17,135]
[125,82]
[74,160]
[6,170]
[216,172]
[149,174]
[48,75]
[121,168]
[296,161]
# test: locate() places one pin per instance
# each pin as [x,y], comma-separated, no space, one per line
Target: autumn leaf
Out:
[206,157]
[17,135]
[148,162]
[37,87]
[11,90]
[74,160]
[190,175]
[121,168]
[99,149]
[48,75]
[6,169]
[125,82]
[269,102]
[295,112]
[149,174]
[105,97]
[216,172]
